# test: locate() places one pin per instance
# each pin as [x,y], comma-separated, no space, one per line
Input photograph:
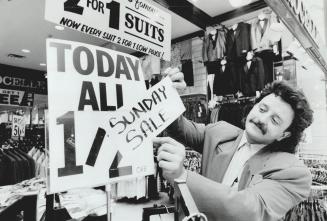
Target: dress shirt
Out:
[244,152]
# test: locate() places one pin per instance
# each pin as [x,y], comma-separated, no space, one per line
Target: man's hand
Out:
[177,77]
[171,155]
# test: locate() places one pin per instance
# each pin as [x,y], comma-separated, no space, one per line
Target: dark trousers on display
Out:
[268,57]
[187,69]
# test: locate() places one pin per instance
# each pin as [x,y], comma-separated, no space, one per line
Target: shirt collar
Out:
[244,141]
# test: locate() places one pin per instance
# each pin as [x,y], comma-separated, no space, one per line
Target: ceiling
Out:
[23,27]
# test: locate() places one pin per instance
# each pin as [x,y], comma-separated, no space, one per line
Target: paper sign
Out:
[89,87]
[135,24]
[134,126]
[86,84]
[18,126]
[16,98]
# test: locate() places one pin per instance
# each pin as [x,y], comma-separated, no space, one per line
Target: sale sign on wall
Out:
[16,98]
[136,24]
[101,118]
[18,126]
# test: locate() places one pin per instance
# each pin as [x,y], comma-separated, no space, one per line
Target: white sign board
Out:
[135,24]
[133,127]
[18,126]
[90,142]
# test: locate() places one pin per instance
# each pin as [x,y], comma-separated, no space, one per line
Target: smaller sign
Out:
[22,79]
[16,98]
[18,126]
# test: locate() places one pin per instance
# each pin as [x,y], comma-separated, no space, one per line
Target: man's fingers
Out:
[166,156]
[171,71]
[167,148]
[167,165]
[179,85]
[179,76]
[162,140]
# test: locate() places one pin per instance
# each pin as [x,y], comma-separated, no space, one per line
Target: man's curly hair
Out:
[303,114]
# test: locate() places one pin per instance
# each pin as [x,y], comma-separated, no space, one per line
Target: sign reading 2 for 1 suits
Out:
[136,24]
[101,118]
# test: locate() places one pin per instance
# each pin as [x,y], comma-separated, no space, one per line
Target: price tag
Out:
[18,126]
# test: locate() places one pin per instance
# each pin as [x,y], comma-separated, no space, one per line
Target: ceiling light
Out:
[59,28]
[239,3]
[42,64]
[26,51]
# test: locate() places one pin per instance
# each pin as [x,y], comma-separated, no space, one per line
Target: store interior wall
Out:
[309,76]
[199,70]
[310,79]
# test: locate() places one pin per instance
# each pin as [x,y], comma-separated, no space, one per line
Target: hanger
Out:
[261,16]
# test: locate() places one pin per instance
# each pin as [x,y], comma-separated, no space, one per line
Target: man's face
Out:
[268,120]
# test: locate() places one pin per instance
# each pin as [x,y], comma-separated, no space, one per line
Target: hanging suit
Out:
[271,182]
[238,42]
[264,47]
[223,83]
[186,61]
[214,46]
[252,79]
[260,34]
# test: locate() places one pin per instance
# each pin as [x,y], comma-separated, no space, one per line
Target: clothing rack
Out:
[27,204]
[232,100]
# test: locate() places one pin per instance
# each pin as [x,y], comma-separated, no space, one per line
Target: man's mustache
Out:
[260,125]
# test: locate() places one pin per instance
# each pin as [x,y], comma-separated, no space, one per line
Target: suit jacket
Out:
[212,50]
[239,42]
[252,79]
[260,35]
[225,80]
[271,182]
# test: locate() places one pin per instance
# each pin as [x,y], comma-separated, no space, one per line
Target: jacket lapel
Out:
[238,30]
[227,154]
[252,167]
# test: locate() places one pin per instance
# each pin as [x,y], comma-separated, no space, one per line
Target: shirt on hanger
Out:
[186,49]
[244,152]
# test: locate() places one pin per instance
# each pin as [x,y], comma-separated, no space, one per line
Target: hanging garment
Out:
[234,113]
[238,42]
[16,165]
[261,33]
[196,109]
[252,77]
[210,80]
[192,161]
[175,58]
[186,49]
[187,69]
[268,57]
[213,67]
[225,80]
[215,114]
[214,46]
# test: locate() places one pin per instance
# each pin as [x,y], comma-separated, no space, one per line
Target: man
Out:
[247,175]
